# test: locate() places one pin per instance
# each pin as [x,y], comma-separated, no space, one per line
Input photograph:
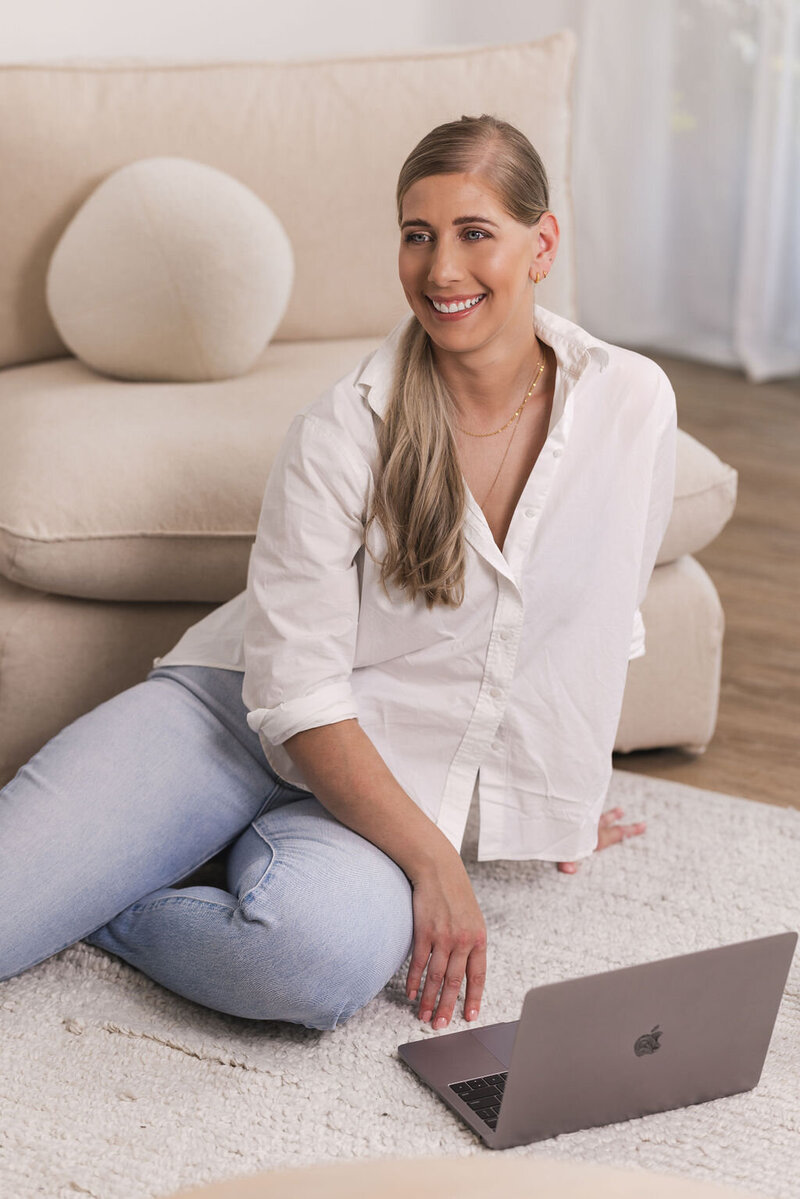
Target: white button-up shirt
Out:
[515,695]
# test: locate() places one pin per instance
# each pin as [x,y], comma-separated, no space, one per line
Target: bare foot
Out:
[608,833]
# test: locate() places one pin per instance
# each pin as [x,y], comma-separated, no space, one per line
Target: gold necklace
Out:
[511,438]
[522,405]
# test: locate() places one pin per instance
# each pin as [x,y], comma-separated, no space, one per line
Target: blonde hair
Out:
[419,498]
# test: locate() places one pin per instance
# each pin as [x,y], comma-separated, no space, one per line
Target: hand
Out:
[608,833]
[450,937]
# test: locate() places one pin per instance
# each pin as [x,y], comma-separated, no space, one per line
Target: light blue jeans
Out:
[99,828]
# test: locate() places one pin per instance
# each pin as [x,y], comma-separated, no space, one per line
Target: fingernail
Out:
[425,1016]
[440,1023]
[412,995]
[472,1014]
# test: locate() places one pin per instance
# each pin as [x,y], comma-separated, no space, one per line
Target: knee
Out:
[344,934]
[370,951]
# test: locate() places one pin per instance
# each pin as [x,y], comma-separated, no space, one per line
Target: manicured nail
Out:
[440,1023]
[425,1016]
[472,1014]
[412,995]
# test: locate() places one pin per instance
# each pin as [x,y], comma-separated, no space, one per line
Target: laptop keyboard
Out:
[483,1095]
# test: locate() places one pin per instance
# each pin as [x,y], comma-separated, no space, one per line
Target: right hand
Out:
[450,937]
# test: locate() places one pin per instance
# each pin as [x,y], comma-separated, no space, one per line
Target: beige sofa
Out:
[127,509]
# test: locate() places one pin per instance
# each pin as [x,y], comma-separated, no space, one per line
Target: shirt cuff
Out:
[327,705]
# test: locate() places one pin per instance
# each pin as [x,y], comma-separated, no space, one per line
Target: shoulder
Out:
[349,410]
[625,375]
[340,418]
[634,368]
[637,381]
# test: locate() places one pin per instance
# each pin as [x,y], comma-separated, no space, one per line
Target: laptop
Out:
[614,1046]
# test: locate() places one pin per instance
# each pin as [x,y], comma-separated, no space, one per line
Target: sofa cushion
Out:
[321,142]
[146,491]
[705,497]
[171,270]
[152,491]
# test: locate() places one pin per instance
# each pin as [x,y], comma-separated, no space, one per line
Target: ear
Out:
[544,245]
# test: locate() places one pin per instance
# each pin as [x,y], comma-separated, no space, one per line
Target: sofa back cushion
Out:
[321,142]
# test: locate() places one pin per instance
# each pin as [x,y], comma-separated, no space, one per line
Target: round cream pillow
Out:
[171,271]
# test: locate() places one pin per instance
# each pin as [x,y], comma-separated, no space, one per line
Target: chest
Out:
[481,457]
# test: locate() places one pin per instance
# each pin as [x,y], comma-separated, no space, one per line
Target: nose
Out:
[445,264]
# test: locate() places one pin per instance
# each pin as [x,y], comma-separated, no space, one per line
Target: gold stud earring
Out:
[536,280]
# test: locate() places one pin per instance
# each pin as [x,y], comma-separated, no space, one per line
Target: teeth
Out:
[462,304]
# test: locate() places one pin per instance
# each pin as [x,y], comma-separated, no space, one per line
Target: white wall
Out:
[48,30]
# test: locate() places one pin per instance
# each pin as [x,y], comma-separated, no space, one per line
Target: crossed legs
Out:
[100,826]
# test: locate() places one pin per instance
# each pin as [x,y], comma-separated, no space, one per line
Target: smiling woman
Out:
[476,235]
[453,545]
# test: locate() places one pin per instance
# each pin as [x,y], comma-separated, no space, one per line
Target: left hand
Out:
[609,832]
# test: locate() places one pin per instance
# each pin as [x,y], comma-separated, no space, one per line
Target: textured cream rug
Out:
[111,1086]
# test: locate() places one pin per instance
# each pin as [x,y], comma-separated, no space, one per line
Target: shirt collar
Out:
[574,349]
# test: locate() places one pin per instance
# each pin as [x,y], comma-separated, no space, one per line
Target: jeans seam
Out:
[165,899]
[249,893]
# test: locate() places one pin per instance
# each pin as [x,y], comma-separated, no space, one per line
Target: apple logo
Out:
[648,1042]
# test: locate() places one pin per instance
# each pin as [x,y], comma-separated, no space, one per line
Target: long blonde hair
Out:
[419,498]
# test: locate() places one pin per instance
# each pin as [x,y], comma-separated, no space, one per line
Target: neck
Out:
[485,394]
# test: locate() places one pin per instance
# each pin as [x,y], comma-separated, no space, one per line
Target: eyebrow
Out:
[460,220]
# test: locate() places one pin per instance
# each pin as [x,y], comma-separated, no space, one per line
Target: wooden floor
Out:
[755,566]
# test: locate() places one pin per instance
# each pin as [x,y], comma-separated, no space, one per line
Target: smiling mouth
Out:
[460,308]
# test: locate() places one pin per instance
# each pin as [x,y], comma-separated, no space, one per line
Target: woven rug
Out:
[111,1086]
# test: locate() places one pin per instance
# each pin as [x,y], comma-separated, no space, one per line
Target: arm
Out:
[300,633]
[350,778]
[659,511]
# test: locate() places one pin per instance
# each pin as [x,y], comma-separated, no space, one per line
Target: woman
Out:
[441,602]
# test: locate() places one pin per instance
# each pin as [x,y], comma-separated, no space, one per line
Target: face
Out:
[457,243]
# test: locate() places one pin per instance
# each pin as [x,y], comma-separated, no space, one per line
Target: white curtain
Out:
[686,169]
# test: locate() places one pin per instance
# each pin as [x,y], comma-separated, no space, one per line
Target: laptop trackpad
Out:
[498,1039]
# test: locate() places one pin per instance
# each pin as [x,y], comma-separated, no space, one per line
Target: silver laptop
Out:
[614,1046]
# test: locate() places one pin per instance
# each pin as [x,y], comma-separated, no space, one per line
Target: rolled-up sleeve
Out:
[662,495]
[302,601]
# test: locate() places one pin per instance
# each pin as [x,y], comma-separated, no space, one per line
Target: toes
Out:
[612,815]
[612,835]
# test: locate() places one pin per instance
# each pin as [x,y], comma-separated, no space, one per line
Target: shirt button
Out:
[556,453]
[504,634]
[530,511]
[495,692]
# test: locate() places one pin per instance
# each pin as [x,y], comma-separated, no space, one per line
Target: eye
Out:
[411,237]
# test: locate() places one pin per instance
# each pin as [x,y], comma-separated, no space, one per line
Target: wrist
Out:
[438,858]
